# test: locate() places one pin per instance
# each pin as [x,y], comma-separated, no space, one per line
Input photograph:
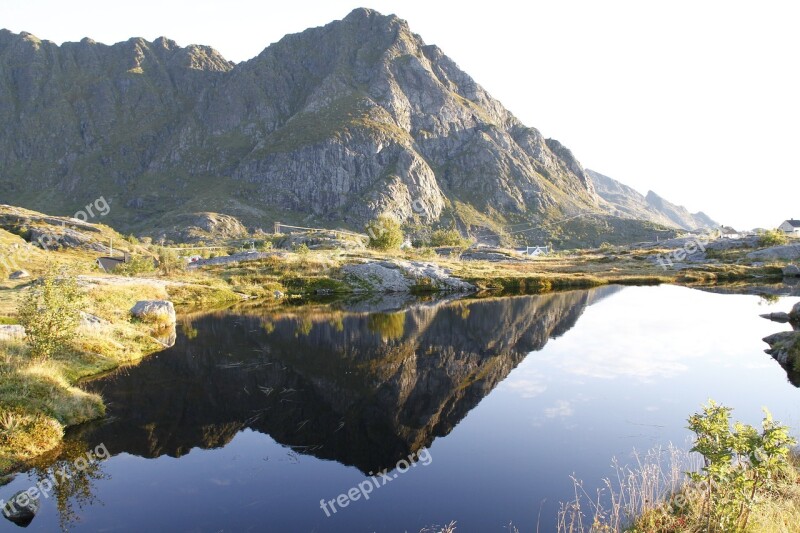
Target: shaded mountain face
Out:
[626,202]
[332,125]
[364,389]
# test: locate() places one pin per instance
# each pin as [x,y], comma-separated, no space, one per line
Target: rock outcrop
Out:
[156,312]
[403,276]
[790,252]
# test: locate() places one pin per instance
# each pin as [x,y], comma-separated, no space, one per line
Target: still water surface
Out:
[253,417]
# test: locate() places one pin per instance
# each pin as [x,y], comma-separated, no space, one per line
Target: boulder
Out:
[777,317]
[791,271]
[166,336]
[8,333]
[159,312]
[278,295]
[403,276]
[784,346]
[789,252]
[21,509]
[19,274]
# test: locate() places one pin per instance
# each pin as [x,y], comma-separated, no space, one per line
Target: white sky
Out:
[696,100]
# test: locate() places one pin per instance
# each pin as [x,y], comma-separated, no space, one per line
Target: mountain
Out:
[330,126]
[629,203]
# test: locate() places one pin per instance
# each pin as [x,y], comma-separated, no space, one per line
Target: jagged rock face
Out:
[340,122]
[626,202]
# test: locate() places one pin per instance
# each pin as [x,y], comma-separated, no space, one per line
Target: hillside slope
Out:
[626,202]
[329,126]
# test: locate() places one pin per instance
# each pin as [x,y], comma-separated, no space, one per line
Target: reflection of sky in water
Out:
[635,365]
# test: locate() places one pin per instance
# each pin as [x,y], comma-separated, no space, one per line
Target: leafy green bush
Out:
[302,249]
[773,237]
[384,233]
[739,462]
[448,237]
[169,261]
[50,313]
[137,264]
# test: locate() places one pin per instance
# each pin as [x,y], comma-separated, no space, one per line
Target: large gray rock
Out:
[403,276]
[12,332]
[21,509]
[791,271]
[158,312]
[788,252]
[784,346]
[777,317]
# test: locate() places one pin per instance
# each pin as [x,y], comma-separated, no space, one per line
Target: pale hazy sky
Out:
[696,100]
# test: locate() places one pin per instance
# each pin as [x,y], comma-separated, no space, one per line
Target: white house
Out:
[535,251]
[790,227]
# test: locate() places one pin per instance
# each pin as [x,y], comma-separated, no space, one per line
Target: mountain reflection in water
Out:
[364,389]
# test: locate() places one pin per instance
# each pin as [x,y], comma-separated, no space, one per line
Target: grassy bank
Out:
[40,398]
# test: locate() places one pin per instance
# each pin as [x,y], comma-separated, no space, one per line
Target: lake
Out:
[253,417]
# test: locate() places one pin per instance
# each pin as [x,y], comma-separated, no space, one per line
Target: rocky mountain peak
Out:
[332,125]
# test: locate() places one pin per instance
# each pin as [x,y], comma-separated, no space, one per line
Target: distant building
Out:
[534,251]
[727,232]
[108,264]
[790,227]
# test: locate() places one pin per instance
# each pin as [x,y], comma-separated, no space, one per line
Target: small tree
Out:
[773,237]
[137,264]
[448,237]
[739,463]
[50,313]
[385,233]
[169,261]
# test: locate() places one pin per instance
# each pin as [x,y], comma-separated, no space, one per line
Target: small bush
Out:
[50,313]
[384,233]
[448,237]
[169,261]
[773,237]
[302,249]
[137,264]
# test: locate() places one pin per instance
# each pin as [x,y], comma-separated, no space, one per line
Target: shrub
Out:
[448,237]
[50,313]
[739,462]
[384,233]
[302,249]
[773,237]
[137,264]
[169,261]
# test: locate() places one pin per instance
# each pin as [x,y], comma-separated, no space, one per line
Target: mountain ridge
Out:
[628,202]
[332,125]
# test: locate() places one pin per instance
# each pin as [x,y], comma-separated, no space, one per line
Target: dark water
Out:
[252,418]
